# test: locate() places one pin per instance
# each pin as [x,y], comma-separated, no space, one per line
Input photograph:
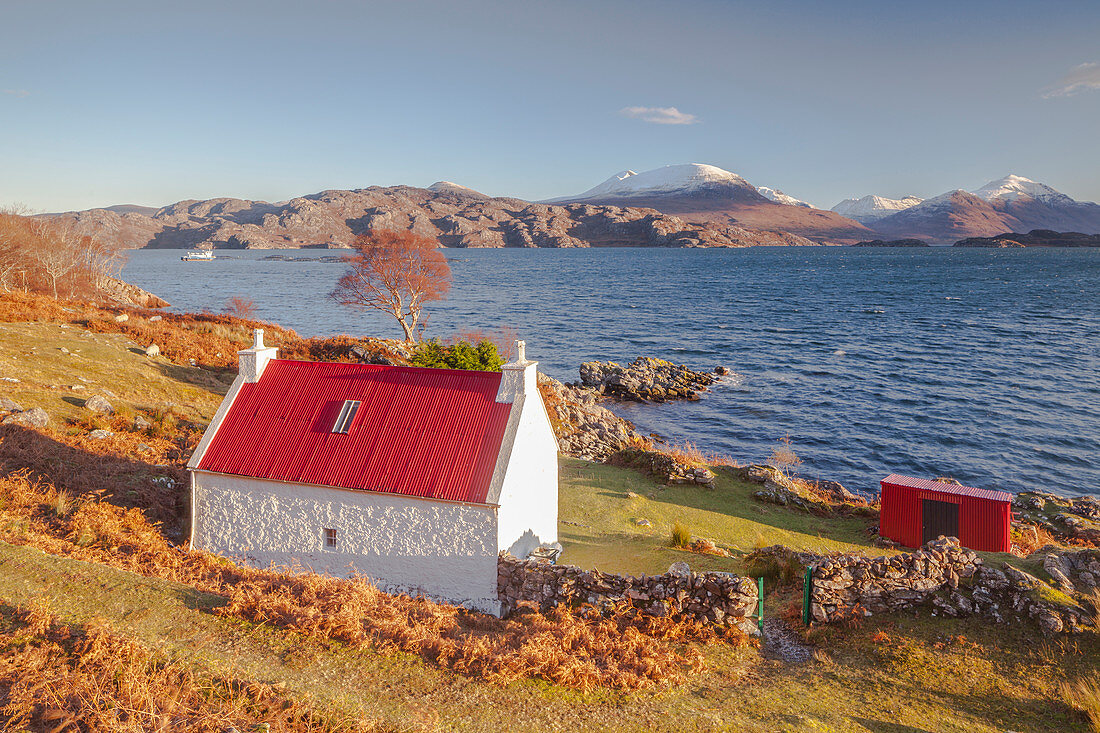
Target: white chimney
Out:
[518,377]
[254,359]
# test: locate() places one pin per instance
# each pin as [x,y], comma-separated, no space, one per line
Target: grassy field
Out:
[891,674]
[600,505]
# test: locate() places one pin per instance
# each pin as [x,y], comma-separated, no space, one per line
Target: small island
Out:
[893,243]
[1034,238]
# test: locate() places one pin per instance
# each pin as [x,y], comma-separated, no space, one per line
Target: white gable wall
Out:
[528,500]
[445,550]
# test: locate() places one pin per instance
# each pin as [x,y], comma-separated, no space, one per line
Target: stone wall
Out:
[951,580]
[715,598]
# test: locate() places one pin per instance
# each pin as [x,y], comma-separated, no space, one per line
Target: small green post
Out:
[760,587]
[807,587]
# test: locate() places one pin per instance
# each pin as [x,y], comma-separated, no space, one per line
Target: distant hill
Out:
[456,215]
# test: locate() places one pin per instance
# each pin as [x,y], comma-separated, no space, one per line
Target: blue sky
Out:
[151,102]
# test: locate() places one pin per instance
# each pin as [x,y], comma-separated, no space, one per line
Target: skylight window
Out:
[346,416]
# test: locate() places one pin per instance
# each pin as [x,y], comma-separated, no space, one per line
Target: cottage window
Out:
[330,539]
[346,416]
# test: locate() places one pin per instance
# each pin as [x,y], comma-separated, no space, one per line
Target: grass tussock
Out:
[579,648]
[55,677]
[681,535]
[1084,697]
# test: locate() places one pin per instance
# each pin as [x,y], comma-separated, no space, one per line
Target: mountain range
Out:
[704,192]
[455,215]
[690,205]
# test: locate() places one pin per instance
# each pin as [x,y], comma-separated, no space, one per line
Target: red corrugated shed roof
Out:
[432,433]
[920,483]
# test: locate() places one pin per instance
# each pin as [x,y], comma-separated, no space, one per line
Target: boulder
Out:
[121,318]
[99,403]
[35,417]
[679,569]
[152,350]
[9,405]
[100,434]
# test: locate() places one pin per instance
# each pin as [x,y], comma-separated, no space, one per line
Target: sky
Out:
[150,103]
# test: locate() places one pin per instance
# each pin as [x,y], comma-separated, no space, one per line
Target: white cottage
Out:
[413,477]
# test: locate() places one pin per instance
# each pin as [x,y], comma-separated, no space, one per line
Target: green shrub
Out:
[681,535]
[460,355]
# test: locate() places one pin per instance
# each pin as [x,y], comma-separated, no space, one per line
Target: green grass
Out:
[59,382]
[597,521]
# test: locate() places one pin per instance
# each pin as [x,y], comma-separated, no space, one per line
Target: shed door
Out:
[938,517]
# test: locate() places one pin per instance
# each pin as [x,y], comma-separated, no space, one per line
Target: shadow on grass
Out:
[158,490]
[213,379]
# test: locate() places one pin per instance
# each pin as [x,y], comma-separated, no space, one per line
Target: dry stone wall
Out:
[952,580]
[714,598]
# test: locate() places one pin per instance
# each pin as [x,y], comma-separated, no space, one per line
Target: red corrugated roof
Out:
[920,483]
[432,433]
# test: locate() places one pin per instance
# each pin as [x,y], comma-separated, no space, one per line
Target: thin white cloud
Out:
[659,115]
[16,92]
[1083,78]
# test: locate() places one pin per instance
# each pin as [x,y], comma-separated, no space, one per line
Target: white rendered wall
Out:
[445,550]
[528,513]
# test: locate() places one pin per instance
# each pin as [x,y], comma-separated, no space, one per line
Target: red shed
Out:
[915,511]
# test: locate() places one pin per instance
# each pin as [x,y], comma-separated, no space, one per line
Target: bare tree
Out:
[396,273]
[240,306]
[57,252]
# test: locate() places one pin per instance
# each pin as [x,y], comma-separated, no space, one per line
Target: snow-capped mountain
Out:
[1013,187]
[1009,204]
[774,194]
[872,208]
[699,192]
[679,179]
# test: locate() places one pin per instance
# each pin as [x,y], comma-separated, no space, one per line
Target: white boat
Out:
[202,254]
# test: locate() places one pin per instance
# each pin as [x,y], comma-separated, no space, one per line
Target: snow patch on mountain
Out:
[1012,188]
[668,179]
[873,208]
[774,194]
[455,190]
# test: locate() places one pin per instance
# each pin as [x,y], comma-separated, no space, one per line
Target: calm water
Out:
[977,364]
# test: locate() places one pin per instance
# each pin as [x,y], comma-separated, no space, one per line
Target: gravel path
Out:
[781,642]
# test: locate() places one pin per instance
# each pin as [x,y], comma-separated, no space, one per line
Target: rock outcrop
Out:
[456,216]
[584,428]
[646,379]
[668,467]
[124,293]
[1070,519]
[722,599]
[778,488]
